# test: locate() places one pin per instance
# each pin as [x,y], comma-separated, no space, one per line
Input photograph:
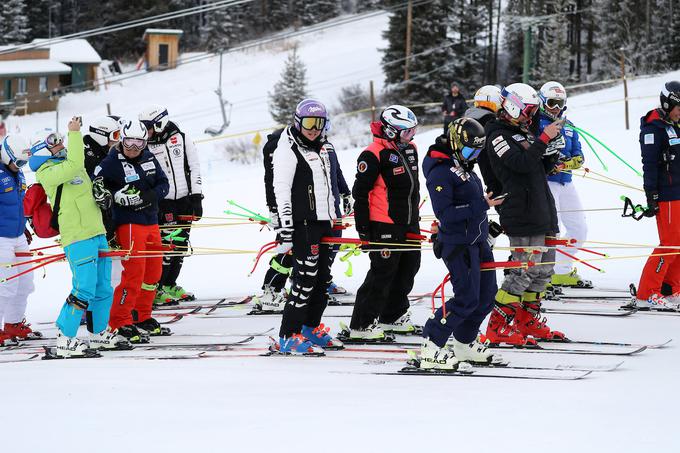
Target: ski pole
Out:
[36,260]
[608,149]
[569,255]
[585,138]
[43,264]
[352,250]
[264,249]
[255,214]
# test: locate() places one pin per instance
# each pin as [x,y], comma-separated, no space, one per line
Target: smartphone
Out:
[500,197]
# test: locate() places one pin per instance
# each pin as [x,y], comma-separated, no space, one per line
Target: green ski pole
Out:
[585,139]
[258,216]
[608,149]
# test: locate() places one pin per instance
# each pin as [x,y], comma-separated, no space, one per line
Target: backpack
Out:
[43,220]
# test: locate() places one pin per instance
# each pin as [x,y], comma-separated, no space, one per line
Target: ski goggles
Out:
[112,136]
[312,122]
[514,106]
[407,134]
[54,139]
[20,162]
[138,143]
[555,103]
[470,153]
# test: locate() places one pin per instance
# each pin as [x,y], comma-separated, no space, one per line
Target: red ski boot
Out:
[6,340]
[22,331]
[529,322]
[500,329]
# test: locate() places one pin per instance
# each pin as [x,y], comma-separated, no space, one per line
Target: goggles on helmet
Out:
[515,107]
[312,122]
[555,103]
[407,134]
[138,143]
[54,139]
[470,153]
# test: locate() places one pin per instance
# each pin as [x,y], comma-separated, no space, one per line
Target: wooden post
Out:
[409,20]
[372,93]
[625,87]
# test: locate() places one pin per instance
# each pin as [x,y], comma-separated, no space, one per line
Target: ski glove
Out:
[285,238]
[347,204]
[495,230]
[652,204]
[101,196]
[196,200]
[274,221]
[555,146]
[128,196]
[573,164]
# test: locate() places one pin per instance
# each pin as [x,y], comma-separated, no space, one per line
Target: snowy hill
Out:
[239,402]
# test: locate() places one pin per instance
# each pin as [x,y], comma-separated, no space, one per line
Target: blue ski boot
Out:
[296,344]
[319,337]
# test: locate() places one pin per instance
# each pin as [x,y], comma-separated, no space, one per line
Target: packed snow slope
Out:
[256,404]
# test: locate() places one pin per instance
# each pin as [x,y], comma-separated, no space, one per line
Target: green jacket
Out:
[79,215]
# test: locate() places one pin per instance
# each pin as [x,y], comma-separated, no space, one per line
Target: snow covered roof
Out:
[13,68]
[73,51]
[163,31]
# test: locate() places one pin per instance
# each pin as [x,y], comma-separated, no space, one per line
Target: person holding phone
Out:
[460,205]
[567,201]
[527,216]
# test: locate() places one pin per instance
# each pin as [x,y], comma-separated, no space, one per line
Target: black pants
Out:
[169,212]
[279,270]
[384,293]
[311,275]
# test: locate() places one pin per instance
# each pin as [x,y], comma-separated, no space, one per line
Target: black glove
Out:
[149,197]
[652,204]
[436,246]
[102,196]
[347,204]
[29,236]
[196,200]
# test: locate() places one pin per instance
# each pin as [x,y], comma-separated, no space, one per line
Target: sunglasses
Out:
[470,153]
[312,122]
[138,143]
[555,103]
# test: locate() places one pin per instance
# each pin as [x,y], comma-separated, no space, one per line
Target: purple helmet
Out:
[316,113]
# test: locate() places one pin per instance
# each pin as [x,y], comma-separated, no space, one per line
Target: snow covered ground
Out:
[253,404]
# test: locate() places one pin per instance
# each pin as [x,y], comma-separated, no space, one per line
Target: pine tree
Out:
[290,90]
[363,6]
[315,11]
[673,41]
[552,49]
[14,26]
[39,15]
[468,31]
[217,31]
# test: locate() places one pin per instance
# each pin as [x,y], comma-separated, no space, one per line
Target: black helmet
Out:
[670,96]
[466,139]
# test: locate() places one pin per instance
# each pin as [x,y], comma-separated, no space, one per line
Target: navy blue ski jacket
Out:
[338,183]
[660,145]
[145,174]
[457,197]
[12,191]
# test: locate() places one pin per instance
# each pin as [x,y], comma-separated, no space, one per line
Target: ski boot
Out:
[371,333]
[432,357]
[402,326]
[529,322]
[655,302]
[178,293]
[570,280]
[132,334]
[271,300]
[335,289]
[108,340]
[70,348]
[164,298]
[22,331]
[500,329]
[7,340]
[296,344]
[553,292]
[475,352]
[152,328]
[319,337]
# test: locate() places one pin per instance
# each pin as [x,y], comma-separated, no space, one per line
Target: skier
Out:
[487,101]
[137,181]
[453,106]
[273,297]
[528,215]
[14,238]
[460,205]
[553,105]
[660,144]
[386,194]
[69,189]
[305,208]
[178,157]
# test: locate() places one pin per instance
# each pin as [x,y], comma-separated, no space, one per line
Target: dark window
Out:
[162,54]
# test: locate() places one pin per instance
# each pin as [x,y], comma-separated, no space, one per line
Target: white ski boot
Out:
[657,302]
[271,300]
[432,357]
[109,340]
[372,332]
[402,325]
[476,353]
[70,347]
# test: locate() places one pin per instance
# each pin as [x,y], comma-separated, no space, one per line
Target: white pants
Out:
[572,222]
[14,293]
[116,272]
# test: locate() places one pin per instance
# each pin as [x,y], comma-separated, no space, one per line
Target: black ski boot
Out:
[133,334]
[153,328]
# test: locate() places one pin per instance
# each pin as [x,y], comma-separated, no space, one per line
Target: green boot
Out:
[570,280]
[178,293]
[163,297]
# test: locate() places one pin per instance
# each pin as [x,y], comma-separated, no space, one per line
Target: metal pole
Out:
[625,87]
[409,20]
[372,100]
[108,108]
[526,67]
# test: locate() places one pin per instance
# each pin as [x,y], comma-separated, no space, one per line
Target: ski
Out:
[403,347]
[51,354]
[581,312]
[523,374]
[195,346]
[203,305]
[610,343]
[23,359]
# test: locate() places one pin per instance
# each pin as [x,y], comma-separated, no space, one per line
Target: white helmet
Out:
[552,95]
[15,149]
[488,97]
[156,117]
[398,122]
[133,134]
[519,99]
[105,129]
[45,139]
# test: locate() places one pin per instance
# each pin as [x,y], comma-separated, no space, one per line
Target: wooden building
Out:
[162,48]
[83,60]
